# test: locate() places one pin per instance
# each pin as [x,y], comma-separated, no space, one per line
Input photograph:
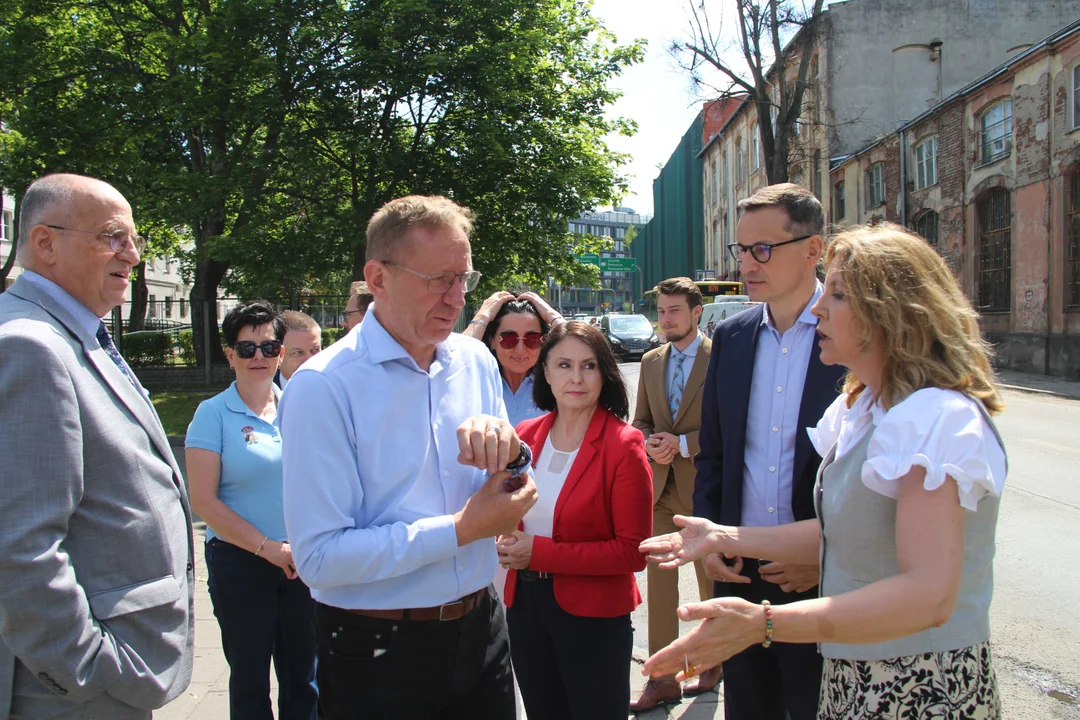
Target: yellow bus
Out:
[710,290]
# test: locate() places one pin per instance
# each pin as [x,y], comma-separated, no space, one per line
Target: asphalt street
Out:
[1036,607]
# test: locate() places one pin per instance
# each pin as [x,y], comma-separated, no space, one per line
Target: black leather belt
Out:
[531,575]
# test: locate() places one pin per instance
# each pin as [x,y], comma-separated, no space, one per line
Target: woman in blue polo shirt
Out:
[234,475]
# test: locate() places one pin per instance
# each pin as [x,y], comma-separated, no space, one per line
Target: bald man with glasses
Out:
[96,550]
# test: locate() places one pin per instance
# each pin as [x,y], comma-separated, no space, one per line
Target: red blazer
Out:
[603,513]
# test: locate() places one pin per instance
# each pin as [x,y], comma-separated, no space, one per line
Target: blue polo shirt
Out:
[250,450]
[520,405]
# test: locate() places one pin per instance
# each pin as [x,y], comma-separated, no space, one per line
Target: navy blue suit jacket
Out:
[718,488]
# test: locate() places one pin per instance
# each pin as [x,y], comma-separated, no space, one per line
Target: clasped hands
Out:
[490,443]
[662,447]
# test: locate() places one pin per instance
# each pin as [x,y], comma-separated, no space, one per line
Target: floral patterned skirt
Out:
[951,685]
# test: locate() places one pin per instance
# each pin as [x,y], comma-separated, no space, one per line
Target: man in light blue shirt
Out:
[388,527]
[765,385]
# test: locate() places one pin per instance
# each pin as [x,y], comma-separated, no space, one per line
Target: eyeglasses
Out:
[509,339]
[762,252]
[440,283]
[118,241]
[245,349]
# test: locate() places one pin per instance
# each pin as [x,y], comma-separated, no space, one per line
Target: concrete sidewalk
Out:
[207,698]
[1051,385]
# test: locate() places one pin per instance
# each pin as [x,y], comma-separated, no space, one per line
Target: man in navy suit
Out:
[765,385]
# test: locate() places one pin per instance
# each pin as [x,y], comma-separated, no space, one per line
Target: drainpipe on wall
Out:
[903,180]
[1051,216]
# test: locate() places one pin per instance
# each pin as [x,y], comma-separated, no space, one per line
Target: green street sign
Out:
[589,259]
[617,264]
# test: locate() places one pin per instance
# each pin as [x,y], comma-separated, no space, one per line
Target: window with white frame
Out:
[740,162]
[755,149]
[7,226]
[926,163]
[716,180]
[1076,97]
[995,132]
[875,186]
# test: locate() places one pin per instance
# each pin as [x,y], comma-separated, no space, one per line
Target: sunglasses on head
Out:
[532,340]
[245,349]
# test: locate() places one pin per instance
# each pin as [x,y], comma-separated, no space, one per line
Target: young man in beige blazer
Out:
[668,413]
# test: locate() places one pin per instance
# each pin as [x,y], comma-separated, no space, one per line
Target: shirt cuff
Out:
[684,449]
[438,538]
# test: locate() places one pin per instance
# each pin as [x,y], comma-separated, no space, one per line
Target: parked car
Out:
[715,313]
[631,336]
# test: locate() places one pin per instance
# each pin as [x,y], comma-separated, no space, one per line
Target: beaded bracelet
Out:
[768,623]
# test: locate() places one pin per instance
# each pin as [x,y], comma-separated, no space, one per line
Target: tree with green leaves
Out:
[263,135]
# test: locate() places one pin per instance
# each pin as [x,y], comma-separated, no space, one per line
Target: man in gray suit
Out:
[96,551]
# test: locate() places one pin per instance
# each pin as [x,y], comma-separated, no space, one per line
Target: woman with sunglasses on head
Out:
[906,501]
[514,327]
[233,451]
[571,587]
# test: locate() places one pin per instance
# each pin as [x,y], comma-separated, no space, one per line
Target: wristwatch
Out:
[522,462]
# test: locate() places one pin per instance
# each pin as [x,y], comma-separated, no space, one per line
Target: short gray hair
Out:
[393,220]
[42,196]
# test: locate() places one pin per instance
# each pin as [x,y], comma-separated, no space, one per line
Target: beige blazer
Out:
[653,415]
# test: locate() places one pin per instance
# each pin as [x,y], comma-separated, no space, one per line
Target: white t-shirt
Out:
[550,473]
[940,430]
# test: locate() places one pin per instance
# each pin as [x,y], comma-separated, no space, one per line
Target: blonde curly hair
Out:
[896,283]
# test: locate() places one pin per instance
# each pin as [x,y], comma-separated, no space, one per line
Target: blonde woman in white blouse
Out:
[907,502]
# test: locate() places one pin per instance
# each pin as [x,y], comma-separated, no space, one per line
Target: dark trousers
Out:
[415,669]
[775,683]
[568,667]
[262,614]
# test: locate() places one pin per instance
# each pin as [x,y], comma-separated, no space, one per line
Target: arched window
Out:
[927,226]
[995,251]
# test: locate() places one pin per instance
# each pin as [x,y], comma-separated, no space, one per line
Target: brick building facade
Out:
[991,177]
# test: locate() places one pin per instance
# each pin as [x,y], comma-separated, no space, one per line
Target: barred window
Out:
[1072,266]
[995,131]
[875,186]
[927,226]
[995,251]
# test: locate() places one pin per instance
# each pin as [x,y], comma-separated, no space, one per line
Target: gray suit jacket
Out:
[96,549]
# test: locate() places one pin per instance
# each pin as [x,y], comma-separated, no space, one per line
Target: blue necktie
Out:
[105,340]
[678,380]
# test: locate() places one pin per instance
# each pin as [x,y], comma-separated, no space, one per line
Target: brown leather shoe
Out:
[656,693]
[705,682]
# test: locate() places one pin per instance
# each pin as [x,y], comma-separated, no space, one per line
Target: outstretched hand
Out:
[691,543]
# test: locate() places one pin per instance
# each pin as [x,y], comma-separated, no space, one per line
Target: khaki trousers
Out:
[663,594]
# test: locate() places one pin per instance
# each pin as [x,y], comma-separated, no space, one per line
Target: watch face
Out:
[512,483]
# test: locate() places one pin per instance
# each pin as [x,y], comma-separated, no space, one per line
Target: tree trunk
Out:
[208,275]
[139,296]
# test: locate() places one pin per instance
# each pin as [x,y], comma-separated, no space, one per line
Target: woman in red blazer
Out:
[571,588]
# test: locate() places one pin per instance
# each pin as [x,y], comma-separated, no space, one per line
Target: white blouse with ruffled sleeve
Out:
[940,430]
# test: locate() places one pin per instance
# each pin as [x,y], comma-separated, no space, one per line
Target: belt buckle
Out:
[443,607]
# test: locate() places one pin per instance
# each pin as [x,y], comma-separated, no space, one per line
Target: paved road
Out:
[1037,584]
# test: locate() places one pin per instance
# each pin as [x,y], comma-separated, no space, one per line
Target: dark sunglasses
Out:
[532,340]
[245,349]
[761,251]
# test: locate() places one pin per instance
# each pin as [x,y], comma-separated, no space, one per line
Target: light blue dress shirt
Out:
[520,405]
[772,419]
[372,478]
[250,450]
[669,377]
[82,314]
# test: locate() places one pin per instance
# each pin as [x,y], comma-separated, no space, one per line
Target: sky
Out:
[655,92]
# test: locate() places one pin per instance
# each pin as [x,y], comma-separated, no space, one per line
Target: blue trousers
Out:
[262,614]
